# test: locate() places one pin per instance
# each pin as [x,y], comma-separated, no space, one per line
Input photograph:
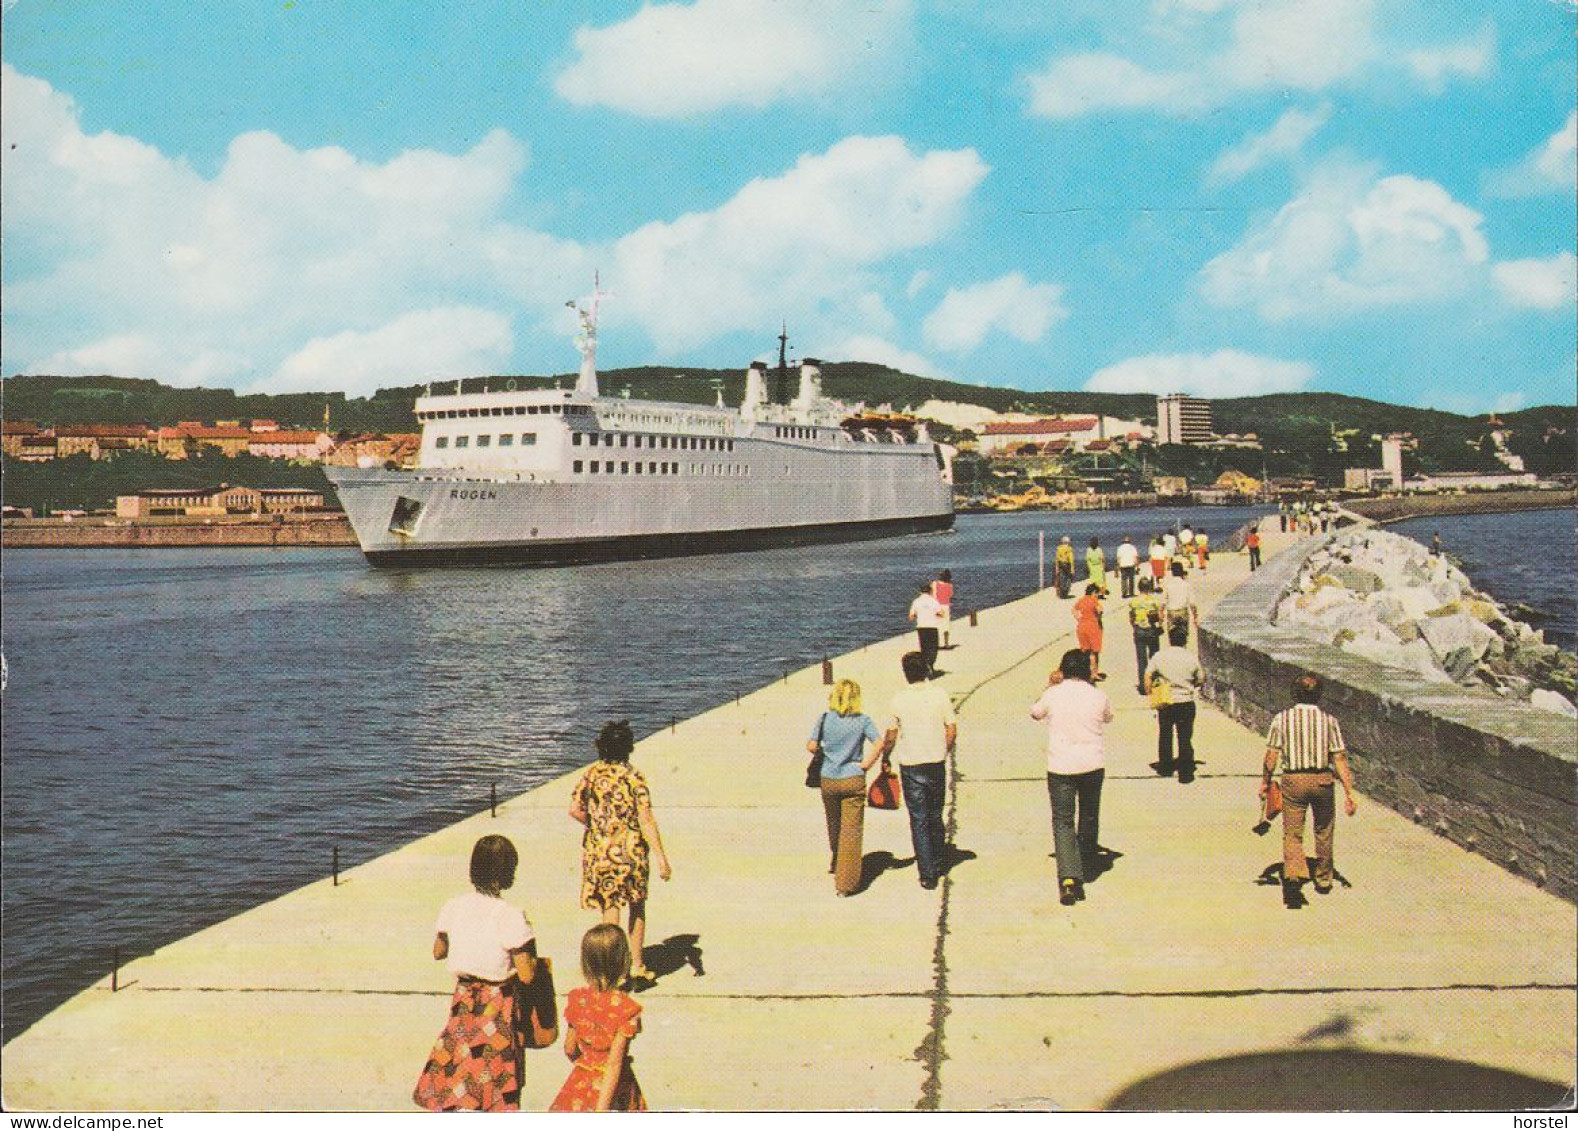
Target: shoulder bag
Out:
[884,791]
[813,768]
[537,1008]
[1161,694]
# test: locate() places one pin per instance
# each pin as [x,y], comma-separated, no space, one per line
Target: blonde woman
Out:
[841,735]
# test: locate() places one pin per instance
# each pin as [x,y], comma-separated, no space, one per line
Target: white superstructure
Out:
[552,476]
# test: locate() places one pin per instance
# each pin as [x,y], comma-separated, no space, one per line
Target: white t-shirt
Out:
[1185,536]
[1159,552]
[1177,594]
[1128,557]
[922,711]
[1171,542]
[1180,669]
[1076,713]
[926,612]
[482,931]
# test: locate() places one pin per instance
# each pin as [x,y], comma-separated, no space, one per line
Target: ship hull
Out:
[638,547]
[416,518]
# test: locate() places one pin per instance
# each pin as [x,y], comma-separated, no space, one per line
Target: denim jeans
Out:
[1074,838]
[1147,642]
[924,786]
[1179,717]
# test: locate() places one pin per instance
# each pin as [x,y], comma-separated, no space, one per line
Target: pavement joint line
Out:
[966,995]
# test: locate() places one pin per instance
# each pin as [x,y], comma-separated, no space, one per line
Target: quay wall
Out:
[1396,508]
[326,530]
[1497,777]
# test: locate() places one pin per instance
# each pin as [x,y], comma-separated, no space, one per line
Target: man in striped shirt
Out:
[1307,743]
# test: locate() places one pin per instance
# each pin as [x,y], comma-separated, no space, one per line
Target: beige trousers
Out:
[1315,793]
[844,799]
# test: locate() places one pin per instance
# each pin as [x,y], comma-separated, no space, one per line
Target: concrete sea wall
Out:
[1497,777]
[51,533]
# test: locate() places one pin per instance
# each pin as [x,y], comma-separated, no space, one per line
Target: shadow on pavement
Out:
[1336,1080]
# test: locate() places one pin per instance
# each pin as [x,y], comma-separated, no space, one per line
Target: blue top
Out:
[844,738]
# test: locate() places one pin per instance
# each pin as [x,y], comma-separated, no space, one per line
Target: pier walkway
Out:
[984,994]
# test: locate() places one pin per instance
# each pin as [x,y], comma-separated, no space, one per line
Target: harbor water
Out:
[189,733]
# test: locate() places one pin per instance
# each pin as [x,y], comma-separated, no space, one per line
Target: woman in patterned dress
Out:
[613,802]
[477,1062]
[602,1022]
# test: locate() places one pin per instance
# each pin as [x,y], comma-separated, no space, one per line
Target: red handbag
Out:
[884,791]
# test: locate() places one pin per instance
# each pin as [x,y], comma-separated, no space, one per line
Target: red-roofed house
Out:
[310,447]
[100,440]
[1011,435]
[188,436]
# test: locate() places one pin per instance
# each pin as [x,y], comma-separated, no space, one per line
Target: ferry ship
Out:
[564,476]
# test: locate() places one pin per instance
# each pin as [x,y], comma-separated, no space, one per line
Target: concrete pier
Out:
[1426,965]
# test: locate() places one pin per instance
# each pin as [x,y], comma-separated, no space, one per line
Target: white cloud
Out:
[1551,168]
[1201,54]
[1349,242]
[796,245]
[868,347]
[1541,284]
[676,60]
[1470,58]
[1075,85]
[1286,138]
[917,283]
[419,346]
[1225,373]
[1010,304]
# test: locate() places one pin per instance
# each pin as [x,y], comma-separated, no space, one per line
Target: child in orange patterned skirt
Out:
[602,1021]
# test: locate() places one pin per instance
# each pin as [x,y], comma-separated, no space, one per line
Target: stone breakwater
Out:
[58,534]
[1484,770]
[1388,599]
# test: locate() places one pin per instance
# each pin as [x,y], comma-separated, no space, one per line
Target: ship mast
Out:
[586,339]
[781,386]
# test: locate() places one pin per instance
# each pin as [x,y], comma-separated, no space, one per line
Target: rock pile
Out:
[1388,599]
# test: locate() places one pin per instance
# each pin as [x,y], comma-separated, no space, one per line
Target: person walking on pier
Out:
[921,737]
[1063,567]
[614,803]
[1087,629]
[1172,675]
[841,735]
[1178,600]
[1202,547]
[478,1062]
[602,1021]
[1076,713]
[1127,559]
[1096,566]
[1159,557]
[942,590]
[927,616]
[1306,743]
[1145,615]
[1252,544]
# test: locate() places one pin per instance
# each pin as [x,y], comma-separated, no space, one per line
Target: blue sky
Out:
[1227,197]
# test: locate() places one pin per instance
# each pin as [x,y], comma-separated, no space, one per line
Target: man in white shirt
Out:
[1177,667]
[1178,601]
[1128,561]
[1076,713]
[920,737]
[928,617]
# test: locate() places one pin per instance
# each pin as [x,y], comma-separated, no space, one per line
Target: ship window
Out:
[652,467]
[484,441]
[576,466]
[594,465]
[506,440]
[531,409]
[528,438]
[575,439]
[635,441]
[462,441]
[624,441]
[638,467]
[624,467]
[558,408]
[441,442]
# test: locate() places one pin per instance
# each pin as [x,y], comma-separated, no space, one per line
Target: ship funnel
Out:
[810,383]
[755,391]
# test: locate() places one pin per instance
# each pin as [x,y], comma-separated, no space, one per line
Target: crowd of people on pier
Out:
[496,1010]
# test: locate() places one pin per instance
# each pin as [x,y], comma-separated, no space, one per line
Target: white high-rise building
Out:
[1182,419]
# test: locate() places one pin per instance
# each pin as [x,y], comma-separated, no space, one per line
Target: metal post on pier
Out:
[973,620]
[115,972]
[827,671]
[336,872]
[493,799]
[1041,560]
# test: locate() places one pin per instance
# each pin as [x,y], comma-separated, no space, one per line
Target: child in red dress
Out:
[602,1021]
